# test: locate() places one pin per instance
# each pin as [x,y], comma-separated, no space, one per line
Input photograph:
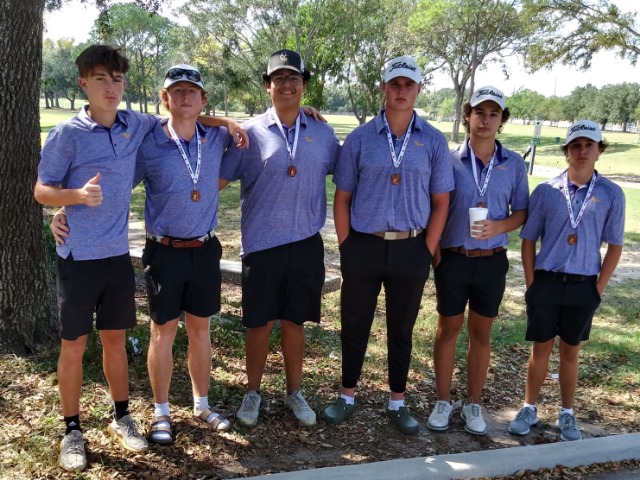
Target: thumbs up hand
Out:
[91,192]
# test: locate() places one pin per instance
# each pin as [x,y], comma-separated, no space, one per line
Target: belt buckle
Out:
[390,235]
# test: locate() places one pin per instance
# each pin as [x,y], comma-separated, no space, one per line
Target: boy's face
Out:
[286,88]
[485,120]
[104,90]
[185,99]
[400,94]
[583,153]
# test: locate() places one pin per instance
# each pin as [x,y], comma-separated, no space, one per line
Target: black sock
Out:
[122,409]
[72,423]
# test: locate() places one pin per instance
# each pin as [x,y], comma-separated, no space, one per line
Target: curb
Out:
[488,463]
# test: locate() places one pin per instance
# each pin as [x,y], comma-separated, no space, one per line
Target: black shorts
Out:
[284,283]
[182,279]
[562,305]
[478,280]
[105,287]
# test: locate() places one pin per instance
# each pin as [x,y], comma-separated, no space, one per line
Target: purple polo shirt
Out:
[365,167]
[508,191]
[278,209]
[74,152]
[602,221]
[169,210]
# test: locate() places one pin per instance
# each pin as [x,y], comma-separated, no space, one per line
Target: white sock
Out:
[395,404]
[200,404]
[161,409]
[566,410]
[347,399]
[529,405]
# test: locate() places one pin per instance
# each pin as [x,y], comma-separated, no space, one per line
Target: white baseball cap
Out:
[584,128]
[183,73]
[488,93]
[403,66]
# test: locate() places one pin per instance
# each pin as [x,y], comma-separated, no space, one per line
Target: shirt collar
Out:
[87,121]
[161,136]
[271,115]
[501,154]
[380,127]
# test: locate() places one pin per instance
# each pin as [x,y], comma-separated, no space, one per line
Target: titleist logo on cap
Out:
[402,65]
[581,126]
[488,91]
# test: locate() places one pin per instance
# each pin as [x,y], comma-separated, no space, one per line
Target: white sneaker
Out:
[439,418]
[300,408]
[247,414]
[474,423]
[72,455]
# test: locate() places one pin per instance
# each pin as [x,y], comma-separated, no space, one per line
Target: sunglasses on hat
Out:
[177,73]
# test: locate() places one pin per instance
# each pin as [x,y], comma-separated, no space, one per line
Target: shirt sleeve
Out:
[55,158]
[532,228]
[441,167]
[613,231]
[346,170]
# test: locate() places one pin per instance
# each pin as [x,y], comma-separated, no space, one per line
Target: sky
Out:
[75,20]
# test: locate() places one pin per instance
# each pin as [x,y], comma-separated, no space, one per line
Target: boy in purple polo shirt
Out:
[472,269]
[392,180]
[87,165]
[283,194]
[572,215]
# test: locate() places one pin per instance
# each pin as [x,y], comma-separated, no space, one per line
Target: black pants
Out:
[369,262]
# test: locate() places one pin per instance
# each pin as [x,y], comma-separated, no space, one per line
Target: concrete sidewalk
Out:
[488,463]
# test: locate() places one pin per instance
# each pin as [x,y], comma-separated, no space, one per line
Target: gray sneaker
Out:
[126,431]
[247,414]
[440,416]
[472,416]
[527,417]
[300,408]
[72,455]
[568,426]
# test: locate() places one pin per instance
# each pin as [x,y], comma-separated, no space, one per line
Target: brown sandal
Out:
[160,427]
[217,423]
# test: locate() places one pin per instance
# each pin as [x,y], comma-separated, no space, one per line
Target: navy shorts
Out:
[284,283]
[478,280]
[182,279]
[562,305]
[104,287]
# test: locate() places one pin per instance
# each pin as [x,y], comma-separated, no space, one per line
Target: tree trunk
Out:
[57,100]
[28,317]
[226,101]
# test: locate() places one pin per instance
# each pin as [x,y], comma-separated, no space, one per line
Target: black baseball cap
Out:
[286,59]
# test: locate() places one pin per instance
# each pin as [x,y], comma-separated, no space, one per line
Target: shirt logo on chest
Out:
[126,134]
[418,144]
[308,139]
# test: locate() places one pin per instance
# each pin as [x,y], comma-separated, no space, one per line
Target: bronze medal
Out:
[481,205]
[395,179]
[292,170]
[572,239]
[195,196]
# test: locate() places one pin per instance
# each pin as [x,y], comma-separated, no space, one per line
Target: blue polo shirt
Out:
[602,221]
[74,152]
[365,168]
[508,191]
[169,210]
[278,209]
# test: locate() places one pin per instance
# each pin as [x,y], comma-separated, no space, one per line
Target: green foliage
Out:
[525,104]
[596,25]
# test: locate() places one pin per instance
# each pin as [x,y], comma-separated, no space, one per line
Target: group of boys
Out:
[401,204]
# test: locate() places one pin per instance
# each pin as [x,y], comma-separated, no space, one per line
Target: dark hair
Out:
[101,56]
[602,146]
[466,112]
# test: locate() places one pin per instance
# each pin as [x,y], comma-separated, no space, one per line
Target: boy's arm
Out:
[342,214]
[437,220]
[90,194]
[59,227]
[528,252]
[238,133]
[609,264]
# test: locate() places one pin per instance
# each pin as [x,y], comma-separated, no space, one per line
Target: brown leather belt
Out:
[476,252]
[181,243]
[399,235]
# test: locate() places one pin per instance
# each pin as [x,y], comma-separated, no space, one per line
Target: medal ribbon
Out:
[176,140]
[292,151]
[567,197]
[397,160]
[474,169]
